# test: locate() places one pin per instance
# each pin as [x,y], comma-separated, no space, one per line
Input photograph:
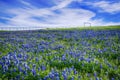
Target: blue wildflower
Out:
[34,72]
[43,67]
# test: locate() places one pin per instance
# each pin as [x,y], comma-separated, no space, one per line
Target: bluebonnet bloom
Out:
[88,60]
[57,78]
[46,77]
[18,77]
[39,68]
[65,76]
[0,53]
[52,76]
[43,67]
[56,74]
[72,78]
[20,68]
[27,67]
[15,57]
[19,55]
[14,70]
[24,72]
[75,72]
[88,74]
[82,58]
[34,65]
[100,51]
[5,68]
[22,77]
[97,78]
[37,59]
[100,66]
[34,72]
[25,45]
[95,74]
[112,79]
[63,57]
[7,62]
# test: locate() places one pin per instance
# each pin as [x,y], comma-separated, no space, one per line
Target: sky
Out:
[52,13]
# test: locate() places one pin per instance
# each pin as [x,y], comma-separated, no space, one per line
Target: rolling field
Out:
[61,54]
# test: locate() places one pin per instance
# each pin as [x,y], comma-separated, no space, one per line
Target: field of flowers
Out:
[60,55]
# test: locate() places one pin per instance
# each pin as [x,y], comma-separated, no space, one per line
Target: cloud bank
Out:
[59,15]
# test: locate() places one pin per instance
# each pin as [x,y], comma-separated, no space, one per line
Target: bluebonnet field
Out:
[60,55]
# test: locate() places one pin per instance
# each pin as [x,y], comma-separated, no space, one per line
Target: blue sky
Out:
[59,12]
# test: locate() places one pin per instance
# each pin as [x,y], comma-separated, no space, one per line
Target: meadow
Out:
[61,54]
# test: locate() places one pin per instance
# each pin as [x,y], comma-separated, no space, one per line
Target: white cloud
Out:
[25,3]
[107,6]
[66,17]
[113,23]
[62,4]
[72,17]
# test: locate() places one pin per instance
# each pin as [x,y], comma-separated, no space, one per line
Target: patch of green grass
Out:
[88,28]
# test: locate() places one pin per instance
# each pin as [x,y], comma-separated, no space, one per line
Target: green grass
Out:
[81,28]
[88,28]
